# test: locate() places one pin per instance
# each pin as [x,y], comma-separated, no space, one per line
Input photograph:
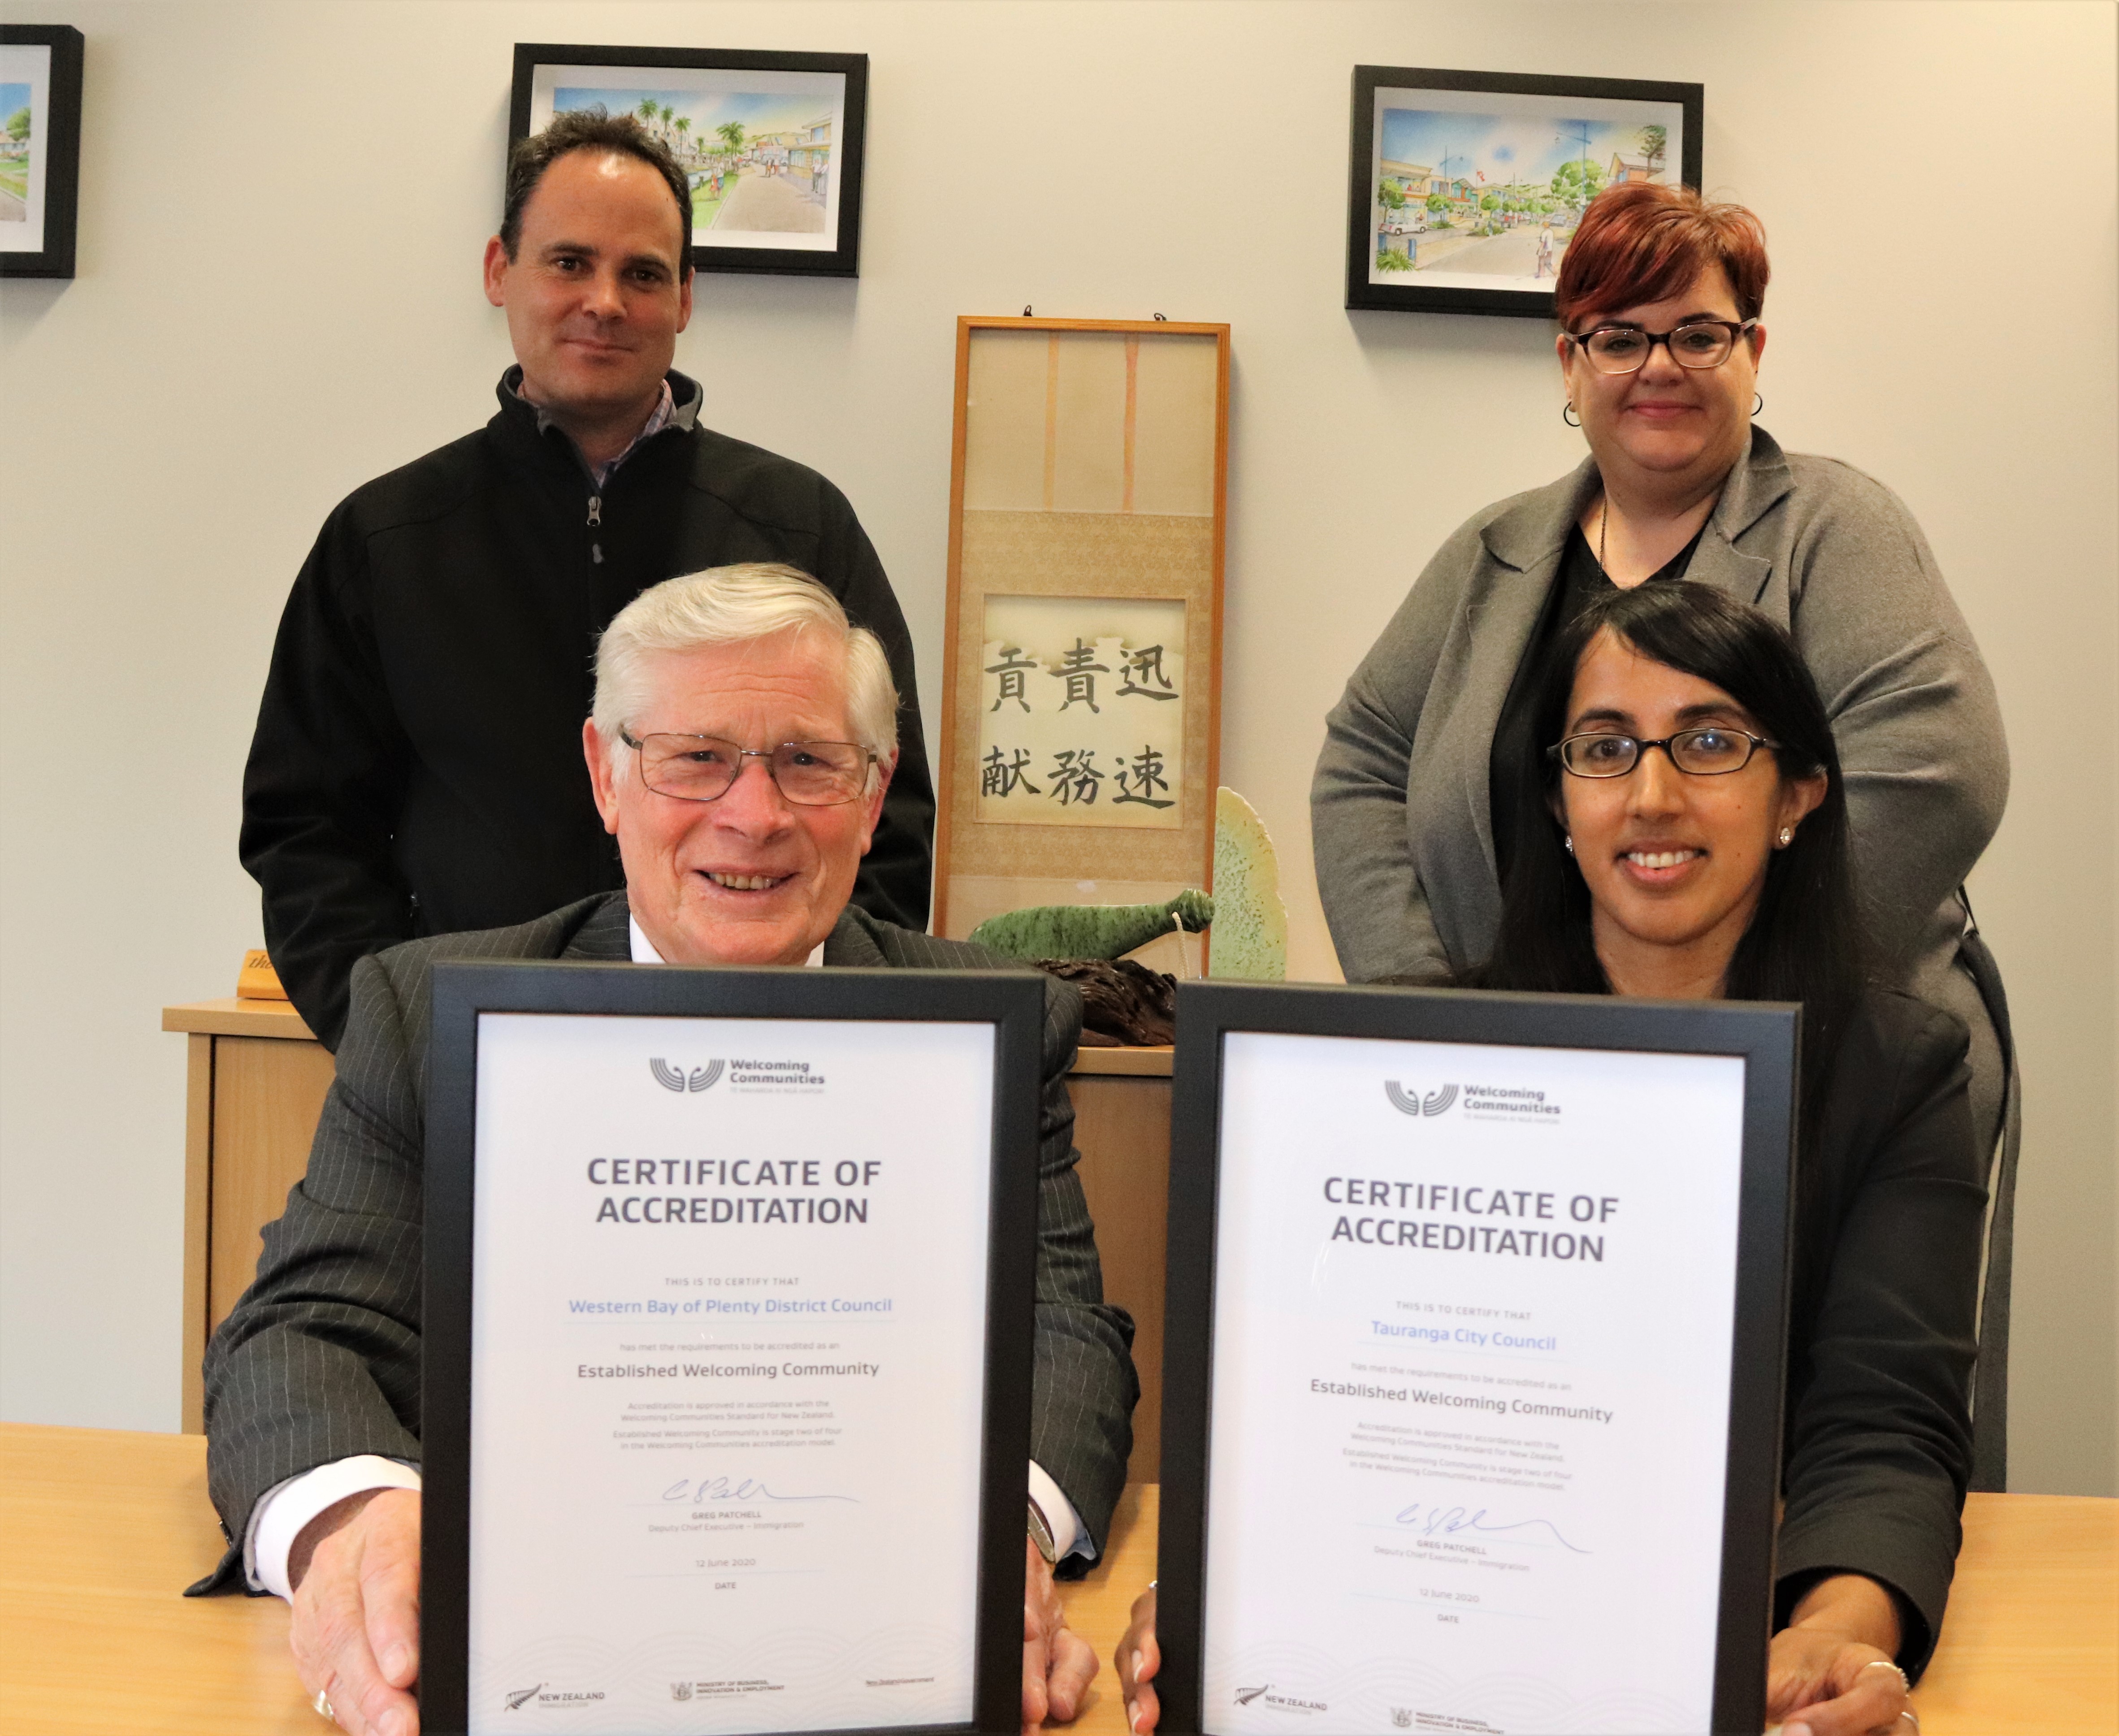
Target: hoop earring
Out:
[1568,416]
[1758,404]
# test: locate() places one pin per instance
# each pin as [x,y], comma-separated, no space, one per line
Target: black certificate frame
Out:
[1689,99]
[1012,1002]
[1764,1035]
[843,259]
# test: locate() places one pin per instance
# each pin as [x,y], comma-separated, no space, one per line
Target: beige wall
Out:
[283,211]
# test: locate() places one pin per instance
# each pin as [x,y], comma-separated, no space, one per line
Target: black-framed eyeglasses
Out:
[1698,343]
[1710,751]
[701,768]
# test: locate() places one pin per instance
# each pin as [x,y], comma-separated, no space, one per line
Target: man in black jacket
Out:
[417,767]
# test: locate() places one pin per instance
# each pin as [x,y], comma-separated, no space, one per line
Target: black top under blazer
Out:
[319,1360]
[1882,1325]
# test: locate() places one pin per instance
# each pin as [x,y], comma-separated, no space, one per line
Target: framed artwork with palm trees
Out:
[1465,188]
[770,143]
[39,148]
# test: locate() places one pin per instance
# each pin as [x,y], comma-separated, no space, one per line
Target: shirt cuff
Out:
[1069,1537]
[281,1511]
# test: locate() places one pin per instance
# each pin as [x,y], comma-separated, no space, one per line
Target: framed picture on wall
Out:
[1465,188]
[770,143]
[39,148]
[1080,665]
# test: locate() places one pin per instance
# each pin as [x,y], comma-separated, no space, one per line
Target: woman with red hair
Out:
[1660,297]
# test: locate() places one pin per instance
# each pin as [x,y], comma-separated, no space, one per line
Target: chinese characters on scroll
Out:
[1082,721]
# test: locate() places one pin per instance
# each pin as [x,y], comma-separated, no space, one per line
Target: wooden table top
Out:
[231,1017]
[100,1530]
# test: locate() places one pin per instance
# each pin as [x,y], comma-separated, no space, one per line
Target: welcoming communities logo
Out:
[800,1078]
[1509,1102]
[676,1079]
[1411,1103]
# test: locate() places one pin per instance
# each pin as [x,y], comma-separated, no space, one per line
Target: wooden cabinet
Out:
[1122,1130]
[256,1085]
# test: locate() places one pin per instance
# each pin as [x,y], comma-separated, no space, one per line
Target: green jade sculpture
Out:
[1091,931]
[1250,941]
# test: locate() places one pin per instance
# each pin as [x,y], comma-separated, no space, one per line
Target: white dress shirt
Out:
[284,1509]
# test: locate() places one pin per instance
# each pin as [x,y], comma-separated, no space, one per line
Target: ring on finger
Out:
[321,1706]
[1905,1687]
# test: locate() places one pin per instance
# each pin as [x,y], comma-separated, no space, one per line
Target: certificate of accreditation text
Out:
[1471,1385]
[728,1352]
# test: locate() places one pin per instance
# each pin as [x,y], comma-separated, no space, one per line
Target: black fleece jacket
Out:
[417,767]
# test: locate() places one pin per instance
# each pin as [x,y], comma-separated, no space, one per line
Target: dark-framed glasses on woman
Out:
[1698,343]
[700,768]
[1709,752]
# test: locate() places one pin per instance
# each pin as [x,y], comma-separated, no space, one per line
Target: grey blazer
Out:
[1400,812]
[319,1360]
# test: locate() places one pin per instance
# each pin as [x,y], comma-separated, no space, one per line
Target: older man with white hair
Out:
[313,1382]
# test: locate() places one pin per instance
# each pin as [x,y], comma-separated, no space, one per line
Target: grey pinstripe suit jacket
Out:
[320,1358]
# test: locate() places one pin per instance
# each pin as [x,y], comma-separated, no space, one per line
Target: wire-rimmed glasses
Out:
[1712,751]
[701,768]
[1696,344]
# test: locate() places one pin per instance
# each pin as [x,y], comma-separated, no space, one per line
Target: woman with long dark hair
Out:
[1682,833]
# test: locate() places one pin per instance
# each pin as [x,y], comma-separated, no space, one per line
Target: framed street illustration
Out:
[1473,1351]
[718,1342]
[1465,188]
[1082,656]
[770,143]
[41,67]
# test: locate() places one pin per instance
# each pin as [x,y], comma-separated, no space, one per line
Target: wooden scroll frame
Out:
[1088,534]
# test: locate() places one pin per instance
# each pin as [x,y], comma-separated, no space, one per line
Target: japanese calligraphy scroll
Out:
[1082,664]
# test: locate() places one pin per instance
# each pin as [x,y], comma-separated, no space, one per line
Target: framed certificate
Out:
[1473,1362]
[729,1291]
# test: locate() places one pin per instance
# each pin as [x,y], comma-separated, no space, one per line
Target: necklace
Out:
[1603,523]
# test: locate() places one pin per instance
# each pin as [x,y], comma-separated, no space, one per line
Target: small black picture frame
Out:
[1447,237]
[39,169]
[785,160]
[1765,1035]
[1012,1003]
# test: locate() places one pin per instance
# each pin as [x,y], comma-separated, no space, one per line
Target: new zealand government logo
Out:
[699,1079]
[1411,1103]
[518,1698]
[1401,1717]
[680,1690]
[1244,1696]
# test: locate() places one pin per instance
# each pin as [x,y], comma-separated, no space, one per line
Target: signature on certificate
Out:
[702,1489]
[1436,1521]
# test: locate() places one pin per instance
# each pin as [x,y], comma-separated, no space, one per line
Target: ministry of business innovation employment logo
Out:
[1411,1103]
[676,1079]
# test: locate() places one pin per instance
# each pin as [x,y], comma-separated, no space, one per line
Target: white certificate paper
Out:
[728,1344]
[1471,1387]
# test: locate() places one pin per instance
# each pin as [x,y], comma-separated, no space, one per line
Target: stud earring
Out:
[1787,836]
[1567,843]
